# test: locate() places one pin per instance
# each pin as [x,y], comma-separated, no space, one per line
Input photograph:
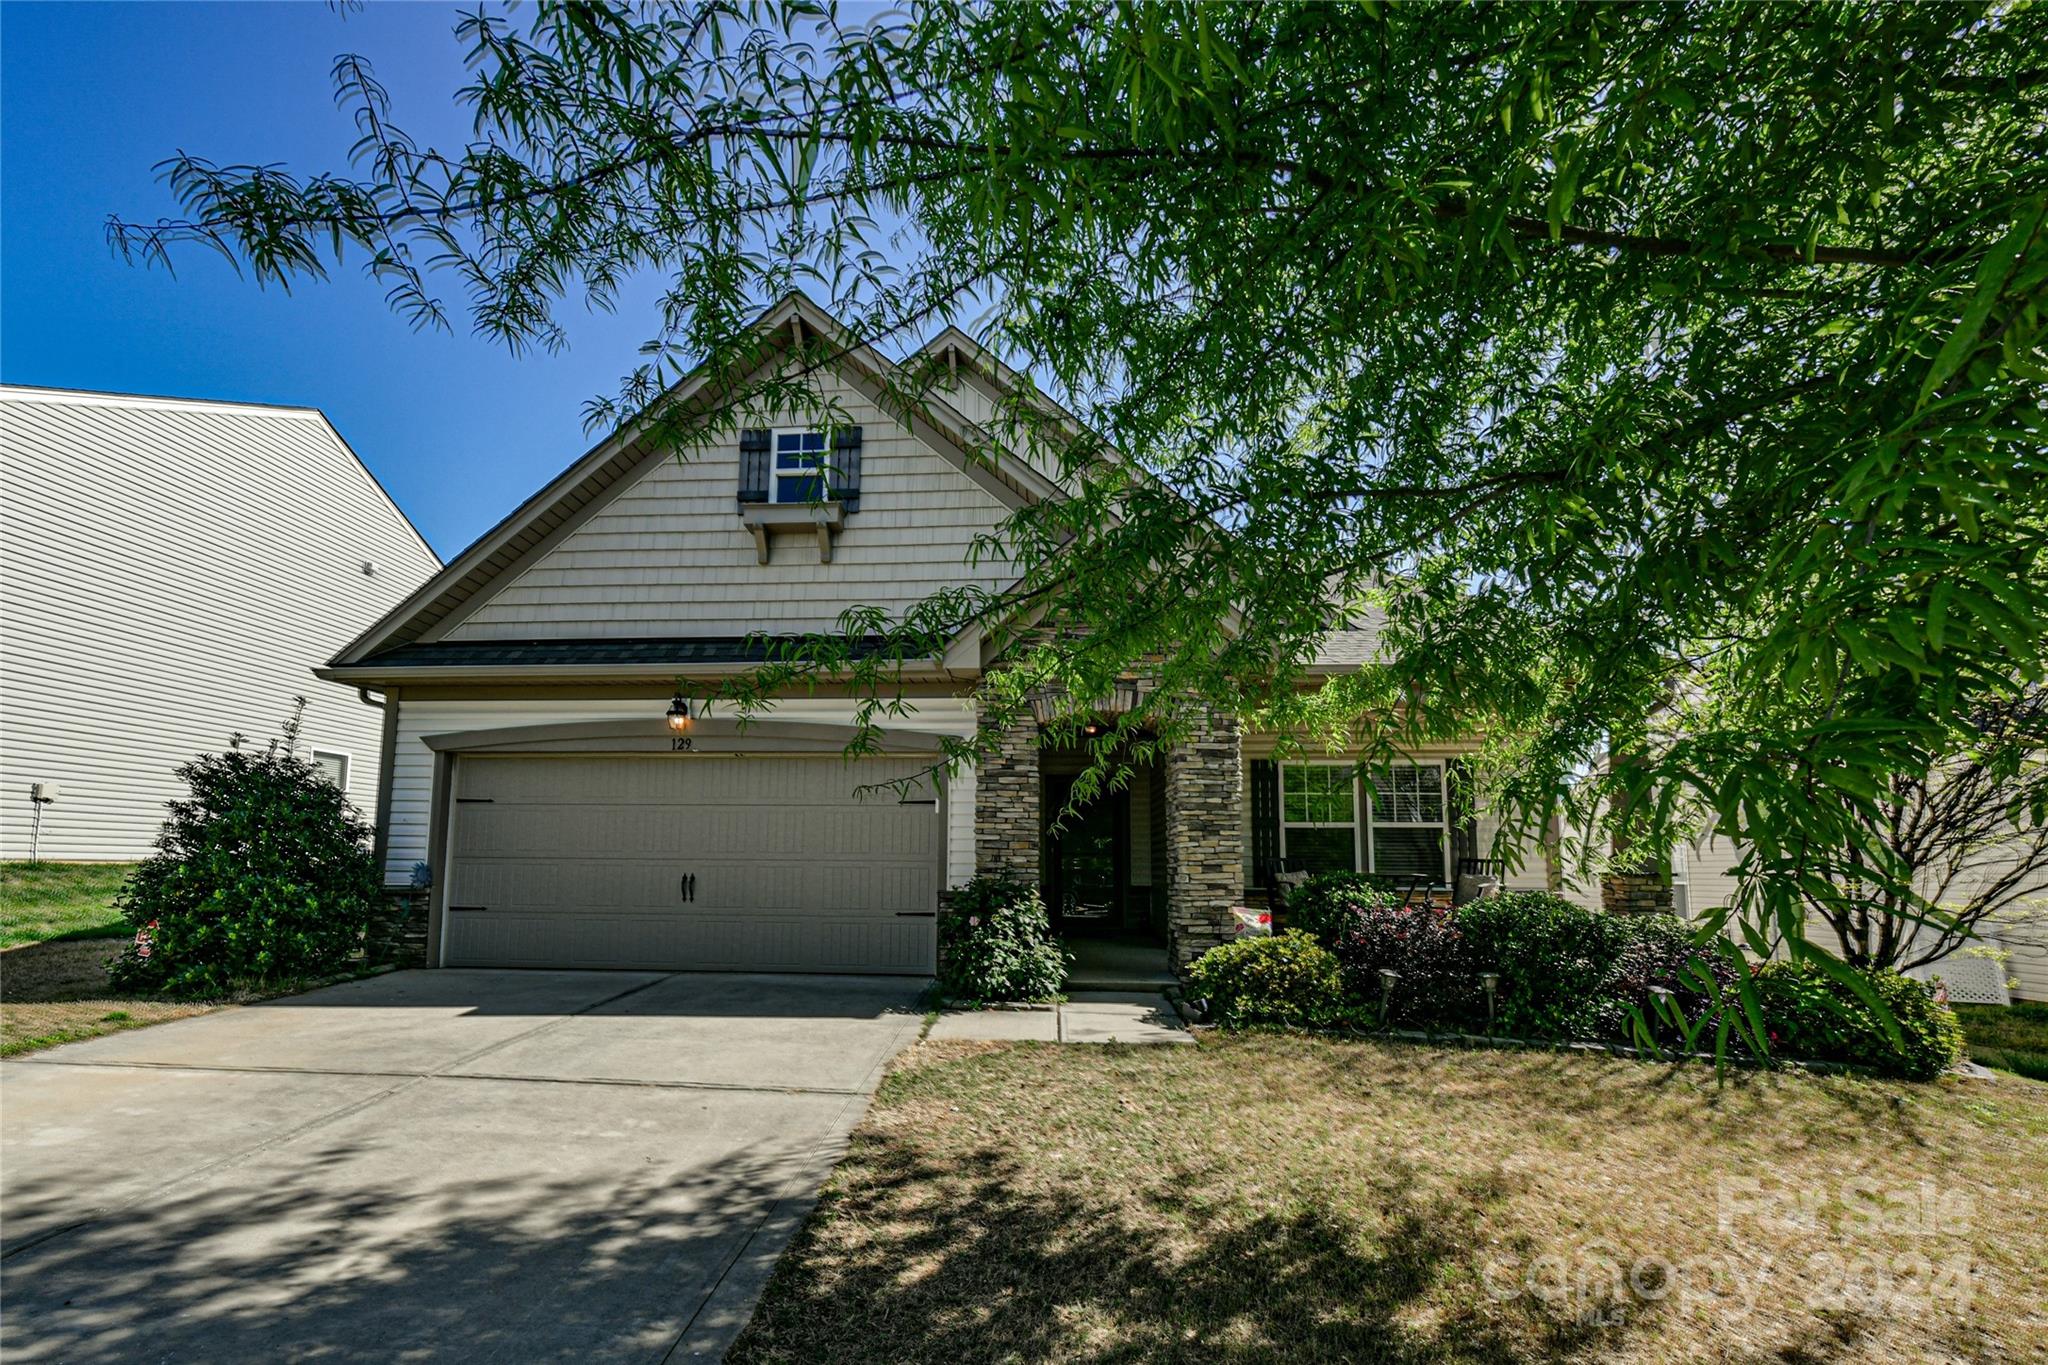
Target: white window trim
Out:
[1361,848]
[775,471]
[348,763]
[1364,819]
[1442,825]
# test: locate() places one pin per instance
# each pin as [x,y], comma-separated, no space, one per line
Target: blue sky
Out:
[93,96]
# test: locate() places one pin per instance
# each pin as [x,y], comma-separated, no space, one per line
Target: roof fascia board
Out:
[706,737]
[361,675]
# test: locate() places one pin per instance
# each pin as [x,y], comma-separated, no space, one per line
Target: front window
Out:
[800,466]
[1319,817]
[333,766]
[1408,828]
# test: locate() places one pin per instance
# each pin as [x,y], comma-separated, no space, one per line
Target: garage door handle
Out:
[474,908]
[917,914]
[689,886]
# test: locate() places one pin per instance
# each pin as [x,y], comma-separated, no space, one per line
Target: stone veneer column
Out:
[1006,805]
[1204,836]
[1635,893]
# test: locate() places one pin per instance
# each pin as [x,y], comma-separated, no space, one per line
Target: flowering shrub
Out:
[263,875]
[1286,979]
[996,943]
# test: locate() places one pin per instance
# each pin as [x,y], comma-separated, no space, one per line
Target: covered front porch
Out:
[1141,875]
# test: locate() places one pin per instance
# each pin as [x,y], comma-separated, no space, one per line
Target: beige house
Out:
[170,569]
[535,785]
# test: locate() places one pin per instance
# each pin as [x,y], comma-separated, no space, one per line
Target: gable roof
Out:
[544,519]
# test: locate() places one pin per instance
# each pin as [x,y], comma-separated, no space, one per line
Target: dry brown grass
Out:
[57,992]
[1288,1198]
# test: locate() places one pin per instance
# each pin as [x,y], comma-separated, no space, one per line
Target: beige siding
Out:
[412,770]
[976,398]
[1710,872]
[669,557]
[170,573]
[2025,934]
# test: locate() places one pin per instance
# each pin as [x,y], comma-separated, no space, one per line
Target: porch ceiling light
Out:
[679,716]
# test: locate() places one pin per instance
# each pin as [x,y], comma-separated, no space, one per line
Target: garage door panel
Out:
[768,944]
[580,861]
[690,778]
[610,829]
[595,886]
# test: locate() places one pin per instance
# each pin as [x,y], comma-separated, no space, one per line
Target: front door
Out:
[1090,857]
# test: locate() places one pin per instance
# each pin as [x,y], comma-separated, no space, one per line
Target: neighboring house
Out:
[172,570]
[1706,878]
[1703,879]
[532,770]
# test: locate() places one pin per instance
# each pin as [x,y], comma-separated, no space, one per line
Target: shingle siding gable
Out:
[668,554]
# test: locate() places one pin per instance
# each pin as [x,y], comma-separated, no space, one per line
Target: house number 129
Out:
[682,744]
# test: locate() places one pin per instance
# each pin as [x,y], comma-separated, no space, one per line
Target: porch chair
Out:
[1478,878]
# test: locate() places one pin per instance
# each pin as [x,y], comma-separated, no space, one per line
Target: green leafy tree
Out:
[1623,363]
[262,876]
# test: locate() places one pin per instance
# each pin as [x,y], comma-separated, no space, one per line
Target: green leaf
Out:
[1990,284]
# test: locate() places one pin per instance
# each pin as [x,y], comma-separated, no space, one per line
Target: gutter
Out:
[363,678]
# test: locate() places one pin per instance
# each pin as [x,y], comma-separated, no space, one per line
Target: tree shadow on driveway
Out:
[254,1264]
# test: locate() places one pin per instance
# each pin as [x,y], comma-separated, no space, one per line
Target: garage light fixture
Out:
[679,716]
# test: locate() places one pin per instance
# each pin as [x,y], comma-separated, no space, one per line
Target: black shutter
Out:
[754,465]
[1463,816]
[846,467]
[1265,821]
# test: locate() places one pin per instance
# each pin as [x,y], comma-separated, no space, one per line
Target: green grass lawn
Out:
[44,901]
[1289,1198]
[2009,1038]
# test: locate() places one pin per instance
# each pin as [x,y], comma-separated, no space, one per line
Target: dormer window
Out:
[800,466]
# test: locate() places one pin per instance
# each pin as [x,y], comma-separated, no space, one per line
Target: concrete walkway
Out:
[454,1165]
[1086,1017]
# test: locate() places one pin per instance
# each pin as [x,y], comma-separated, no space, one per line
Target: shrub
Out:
[1420,944]
[1287,979]
[1813,1017]
[996,943]
[263,876]
[1316,906]
[1552,957]
[1656,952]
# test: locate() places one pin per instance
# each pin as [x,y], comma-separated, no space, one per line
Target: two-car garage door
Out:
[685,862]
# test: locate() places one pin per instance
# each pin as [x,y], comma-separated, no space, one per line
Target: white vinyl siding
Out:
[170,574]
[668,555]
[412,768]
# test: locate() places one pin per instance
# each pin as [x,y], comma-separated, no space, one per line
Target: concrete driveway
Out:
[464,1165]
